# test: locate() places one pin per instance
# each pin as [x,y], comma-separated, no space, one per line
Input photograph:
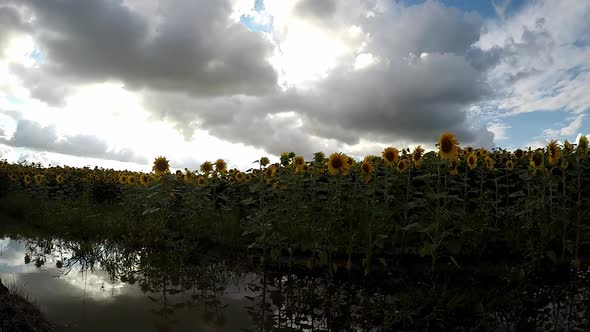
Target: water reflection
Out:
[96,286]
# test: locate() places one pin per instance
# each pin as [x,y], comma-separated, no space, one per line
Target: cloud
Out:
[501,7]
[11,25]
[31,135]
[189,46]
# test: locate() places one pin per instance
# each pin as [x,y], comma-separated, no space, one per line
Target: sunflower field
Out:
[452,206]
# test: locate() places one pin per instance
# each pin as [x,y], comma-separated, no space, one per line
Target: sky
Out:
[116,83]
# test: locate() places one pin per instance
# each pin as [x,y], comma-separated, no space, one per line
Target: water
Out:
[98,286]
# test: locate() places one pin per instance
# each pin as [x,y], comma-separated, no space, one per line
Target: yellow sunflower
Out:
[122,179]
[482,153]
[27,180]
[239,176]
[448,146]
[247,177]
[13,177]
[231,181]
[417,156]
[472,161]
[144,179]
[264,161]
[270,171]
[59,179]
[467,151]
[179,175]
[403,165]
[553,152]
[489,163]
[188,175]
[510,165]
[220,166]
[298,161]
[390,155]
[201,181]
[206,167]
[537,159]
[338,164]
[131,179]
[161,166]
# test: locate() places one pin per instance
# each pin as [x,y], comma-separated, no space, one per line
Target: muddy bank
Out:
[18,314]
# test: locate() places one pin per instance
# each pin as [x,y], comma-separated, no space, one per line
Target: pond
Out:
[104,285]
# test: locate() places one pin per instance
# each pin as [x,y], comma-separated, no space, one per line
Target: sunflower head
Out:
[448,146]
[519,153]
[390,156]
[201,181]
[131,180]
[13,177]
[467,151]
[179,175]
[509,165]
[537,159]
[553,152]
[264,161]
[231,181]
[489,163]
[472,161]
[454,167]
[220,166]
[285,158]
[27,179]
[240,177]
[270,171]
[144,179]
[59,179]
[247,177]
[403,165]
[298,161]
[367,167]
[206,167]
[161,166]
[417,156]
[338,164]
[482,153]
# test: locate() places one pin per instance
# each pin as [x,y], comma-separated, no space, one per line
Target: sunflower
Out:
[338,164]
[489,163]
[122,179]
[270,171]
[179,175]
[564,164]
[264,161]
[27,180]
[467,151]
[417,156]
[285,158]
[188,175]
[131,180]
[553,152]
[537,159]
[454,168]
[403,165]
[298,161]
[482,152]
[583,143]
[447,144]
[367,167]
[568,147]
[220,166]
[519,153]
[206,167]
[472,161]
[13,177]
[231,181]
[509,165]
[390,155]
[247,177]
[161,166]
[144,179]
[240,176]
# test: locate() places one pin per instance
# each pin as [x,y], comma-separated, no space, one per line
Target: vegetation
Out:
[458,206]
[18,314]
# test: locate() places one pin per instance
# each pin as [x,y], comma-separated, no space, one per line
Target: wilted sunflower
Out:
[448,146]
[220,166]
[519,153]
[131,180]
[338,164]
[454,167]
[553,152]
[510,165]
[144,179]
[27,180]
[417,156]
[201,181]
[206,167]
[489,163]
[264,161]
[390,155]
[403,165]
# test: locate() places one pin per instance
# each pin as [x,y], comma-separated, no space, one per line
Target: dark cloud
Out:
[320,9]
[189,46]
[31,135]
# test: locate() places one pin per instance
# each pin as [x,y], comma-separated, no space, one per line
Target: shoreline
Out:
[17,313]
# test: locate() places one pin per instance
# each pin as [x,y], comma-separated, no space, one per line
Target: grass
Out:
[18,313]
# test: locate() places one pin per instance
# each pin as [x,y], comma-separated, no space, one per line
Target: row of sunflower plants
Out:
[455,204]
